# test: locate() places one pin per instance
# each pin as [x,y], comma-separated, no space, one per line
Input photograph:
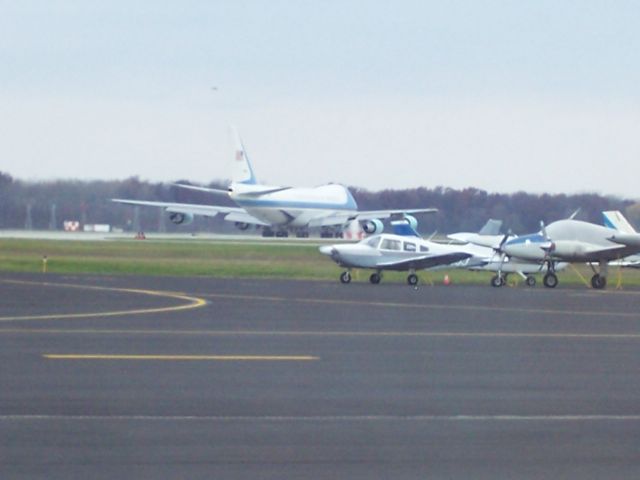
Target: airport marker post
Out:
[44,264]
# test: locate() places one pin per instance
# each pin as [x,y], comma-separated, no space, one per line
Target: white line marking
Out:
[326,418]
[310,333]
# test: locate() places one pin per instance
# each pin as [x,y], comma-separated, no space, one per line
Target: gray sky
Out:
[542,96]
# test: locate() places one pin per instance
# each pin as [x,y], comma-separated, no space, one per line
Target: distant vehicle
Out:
[575,241]
[393,252]
[279,210]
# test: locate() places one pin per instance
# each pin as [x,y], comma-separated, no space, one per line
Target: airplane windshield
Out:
[373,242]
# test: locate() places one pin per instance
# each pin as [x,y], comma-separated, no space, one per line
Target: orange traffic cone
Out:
[446,280]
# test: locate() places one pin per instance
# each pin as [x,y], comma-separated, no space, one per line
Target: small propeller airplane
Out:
[487,245]
[576,241]
[403,250]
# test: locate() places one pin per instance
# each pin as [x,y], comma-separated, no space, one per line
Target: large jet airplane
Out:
[575,241]
[279,210]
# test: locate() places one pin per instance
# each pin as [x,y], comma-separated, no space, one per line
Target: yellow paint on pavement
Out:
[232,358]
[191,302]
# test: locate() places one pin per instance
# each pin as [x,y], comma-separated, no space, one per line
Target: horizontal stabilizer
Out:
[627,239]
[217,191]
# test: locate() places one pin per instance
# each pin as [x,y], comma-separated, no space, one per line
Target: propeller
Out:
[548,247]
[499,251]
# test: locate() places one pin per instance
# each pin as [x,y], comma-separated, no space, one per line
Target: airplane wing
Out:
[382,214]
[232,214]
[341,218]
[188,208]
[425,261]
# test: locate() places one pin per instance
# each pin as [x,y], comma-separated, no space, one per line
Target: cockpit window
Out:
[390,244]
[373,242]
[409,247]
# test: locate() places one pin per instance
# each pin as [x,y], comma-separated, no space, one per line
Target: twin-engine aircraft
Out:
[279,210]
[577,242]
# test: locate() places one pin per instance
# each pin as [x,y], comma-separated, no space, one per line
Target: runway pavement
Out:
[135,377]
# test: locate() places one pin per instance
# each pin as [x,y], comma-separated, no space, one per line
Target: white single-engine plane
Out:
[389,251]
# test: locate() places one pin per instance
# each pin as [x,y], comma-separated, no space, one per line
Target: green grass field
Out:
[221,259]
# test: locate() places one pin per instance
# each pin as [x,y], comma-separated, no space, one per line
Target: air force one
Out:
[279,210]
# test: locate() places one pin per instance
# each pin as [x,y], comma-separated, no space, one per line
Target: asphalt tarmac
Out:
[148,378]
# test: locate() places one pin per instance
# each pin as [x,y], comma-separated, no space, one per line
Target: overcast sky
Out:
[541,96]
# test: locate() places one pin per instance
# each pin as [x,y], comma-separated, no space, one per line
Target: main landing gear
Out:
[376,277]
[599,279]
[500,280]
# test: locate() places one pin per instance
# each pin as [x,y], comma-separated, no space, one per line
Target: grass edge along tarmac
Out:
[223,259]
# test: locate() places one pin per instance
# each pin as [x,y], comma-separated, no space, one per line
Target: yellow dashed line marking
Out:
[228,358]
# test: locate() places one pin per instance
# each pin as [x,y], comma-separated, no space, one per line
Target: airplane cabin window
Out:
[389,244]
[423,248]
[409,247]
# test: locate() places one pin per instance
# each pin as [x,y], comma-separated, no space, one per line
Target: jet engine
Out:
[372,226]
[181,218]
[241,225]
[412,221]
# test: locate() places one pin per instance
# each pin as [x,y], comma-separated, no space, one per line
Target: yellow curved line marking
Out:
[193,302]
[233,358]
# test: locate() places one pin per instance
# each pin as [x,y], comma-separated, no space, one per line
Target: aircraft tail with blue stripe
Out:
[241,171]
[615,220]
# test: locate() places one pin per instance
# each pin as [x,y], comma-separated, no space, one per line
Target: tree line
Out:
[47,204]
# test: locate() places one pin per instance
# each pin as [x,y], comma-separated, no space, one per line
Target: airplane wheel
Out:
[345,277]
[550,280]
[531,281]
[412,279]
[375,278]
[598,281]
[497,281]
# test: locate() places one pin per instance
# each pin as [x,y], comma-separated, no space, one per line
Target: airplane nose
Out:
[326,249]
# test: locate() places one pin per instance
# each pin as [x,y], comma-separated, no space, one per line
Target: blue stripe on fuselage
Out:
[350,204]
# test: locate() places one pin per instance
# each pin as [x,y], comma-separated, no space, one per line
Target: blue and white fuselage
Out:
[294,207]
[329,207]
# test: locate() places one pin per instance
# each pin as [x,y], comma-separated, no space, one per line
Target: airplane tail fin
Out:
[492,227]
[614,219]
[241,171]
